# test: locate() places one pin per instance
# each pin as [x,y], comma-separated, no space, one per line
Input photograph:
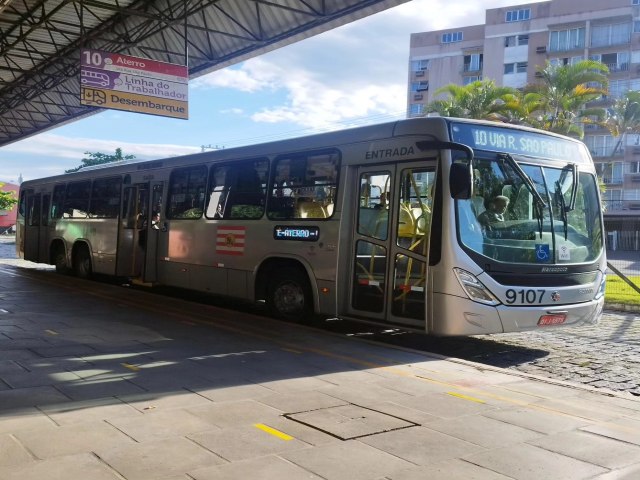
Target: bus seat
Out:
[406,222]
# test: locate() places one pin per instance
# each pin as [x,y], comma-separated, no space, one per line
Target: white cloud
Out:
[355,71]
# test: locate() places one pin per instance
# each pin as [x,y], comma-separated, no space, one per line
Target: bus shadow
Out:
[68,345]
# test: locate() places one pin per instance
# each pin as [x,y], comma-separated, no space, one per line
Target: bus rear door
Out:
[32,232]
[391,243]
[132,234]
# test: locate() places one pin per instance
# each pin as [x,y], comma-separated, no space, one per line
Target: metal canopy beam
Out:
[40,42]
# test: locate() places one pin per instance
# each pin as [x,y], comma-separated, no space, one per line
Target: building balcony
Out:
[472,67]
[609,180]
[618,67]
[621,206]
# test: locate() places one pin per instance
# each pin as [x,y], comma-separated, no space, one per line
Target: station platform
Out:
[103,382]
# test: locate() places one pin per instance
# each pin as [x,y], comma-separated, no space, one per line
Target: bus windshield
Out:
[531,214]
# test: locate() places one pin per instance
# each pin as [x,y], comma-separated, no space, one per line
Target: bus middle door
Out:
[391,243]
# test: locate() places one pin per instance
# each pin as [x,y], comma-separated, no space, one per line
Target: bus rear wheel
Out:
[290,295]
[82,263]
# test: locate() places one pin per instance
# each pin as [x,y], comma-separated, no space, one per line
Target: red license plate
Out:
[555,319]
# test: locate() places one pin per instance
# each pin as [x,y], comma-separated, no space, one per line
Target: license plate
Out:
[554,319]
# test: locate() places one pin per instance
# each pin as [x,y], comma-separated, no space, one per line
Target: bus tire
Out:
[82,263]
[60,261]
[289,295]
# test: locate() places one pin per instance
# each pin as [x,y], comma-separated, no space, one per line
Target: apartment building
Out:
[509,47]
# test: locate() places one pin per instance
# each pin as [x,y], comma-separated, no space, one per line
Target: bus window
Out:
[76,202]
[186,192]
[105,198]
[304,186]
[58,201]
[237,191]
[373,215]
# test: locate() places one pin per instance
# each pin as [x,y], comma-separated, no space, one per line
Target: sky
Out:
[352,75]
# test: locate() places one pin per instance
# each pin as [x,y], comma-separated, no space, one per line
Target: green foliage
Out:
[98,158]
[7,199]
[557,103]
[481,100]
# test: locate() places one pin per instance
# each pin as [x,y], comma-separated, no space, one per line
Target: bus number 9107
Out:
[524,296]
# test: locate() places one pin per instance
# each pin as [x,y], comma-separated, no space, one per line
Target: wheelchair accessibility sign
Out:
[542,253]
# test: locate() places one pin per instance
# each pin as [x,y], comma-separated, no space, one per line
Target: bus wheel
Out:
[290,295]
[82,263]
[60,261]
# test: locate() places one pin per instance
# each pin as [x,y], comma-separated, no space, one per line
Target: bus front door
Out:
[132,234]
[391,243]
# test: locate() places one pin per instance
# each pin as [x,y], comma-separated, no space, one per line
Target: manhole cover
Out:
[350,421]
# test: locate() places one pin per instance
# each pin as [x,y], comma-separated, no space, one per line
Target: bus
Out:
[377,224]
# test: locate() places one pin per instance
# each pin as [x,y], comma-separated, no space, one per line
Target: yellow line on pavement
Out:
[51,332]
[130,367]
[273,431]
[466,397]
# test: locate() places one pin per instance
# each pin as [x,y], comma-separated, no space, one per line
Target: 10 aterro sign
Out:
[111,80]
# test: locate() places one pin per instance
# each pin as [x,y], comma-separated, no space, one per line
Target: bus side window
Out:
[304,186]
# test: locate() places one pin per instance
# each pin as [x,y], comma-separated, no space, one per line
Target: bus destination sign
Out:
[519,142]
[304,234]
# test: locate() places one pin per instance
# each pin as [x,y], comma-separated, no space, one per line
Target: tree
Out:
[481,100]
[7,199]
[98,158]
[561,98]
[623,118]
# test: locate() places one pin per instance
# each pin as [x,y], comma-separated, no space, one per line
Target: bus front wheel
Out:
[290,295]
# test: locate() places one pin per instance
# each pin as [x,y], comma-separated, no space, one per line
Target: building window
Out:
[599,145]
[635,2]
[471,79]
[633,167]
[612,34]
[617,62]
[420,65]
[519,67]
[415,109]
[516,40]
[451,37]
[419,87]
[518,15]
[473,63]
[563,40]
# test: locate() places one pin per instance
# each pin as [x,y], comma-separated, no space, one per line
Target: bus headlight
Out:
[602,288]
[474,288]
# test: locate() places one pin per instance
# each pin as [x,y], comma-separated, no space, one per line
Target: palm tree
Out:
[479,100]
[623,118]
[564,93]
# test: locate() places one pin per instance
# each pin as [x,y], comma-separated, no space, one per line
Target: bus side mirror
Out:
[461,181]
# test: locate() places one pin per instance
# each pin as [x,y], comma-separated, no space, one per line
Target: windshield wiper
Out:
[540,203]
[563,208]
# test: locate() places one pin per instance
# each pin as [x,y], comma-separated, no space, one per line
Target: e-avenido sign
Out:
[111,80]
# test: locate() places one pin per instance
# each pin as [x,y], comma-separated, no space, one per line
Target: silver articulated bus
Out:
[448,226]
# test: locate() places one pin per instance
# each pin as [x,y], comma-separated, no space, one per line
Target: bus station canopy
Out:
[40,42]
